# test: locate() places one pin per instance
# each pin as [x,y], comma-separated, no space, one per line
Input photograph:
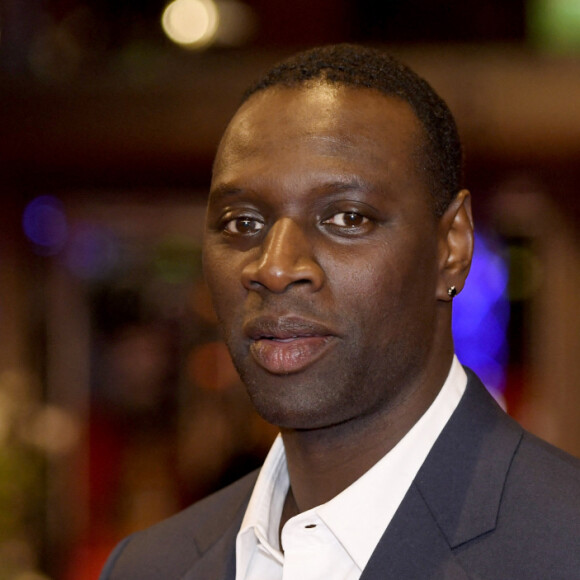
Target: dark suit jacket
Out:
[491,501]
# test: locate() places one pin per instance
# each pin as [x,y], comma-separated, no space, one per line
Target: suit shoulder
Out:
[537,531]
[215,510]
[546,471]
[224,502]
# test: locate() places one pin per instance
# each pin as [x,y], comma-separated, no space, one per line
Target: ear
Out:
[455,232]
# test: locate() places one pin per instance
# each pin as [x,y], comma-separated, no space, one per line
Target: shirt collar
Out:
[262,518]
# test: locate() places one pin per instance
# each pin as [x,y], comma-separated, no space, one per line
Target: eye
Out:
[244,225]
[347,219]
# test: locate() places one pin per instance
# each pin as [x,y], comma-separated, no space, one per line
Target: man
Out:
[337,236]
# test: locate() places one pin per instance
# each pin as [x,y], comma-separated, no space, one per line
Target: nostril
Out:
[286,260]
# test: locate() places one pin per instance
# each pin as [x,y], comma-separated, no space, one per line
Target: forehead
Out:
[333,120]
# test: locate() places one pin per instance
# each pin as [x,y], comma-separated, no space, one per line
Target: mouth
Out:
[283,346]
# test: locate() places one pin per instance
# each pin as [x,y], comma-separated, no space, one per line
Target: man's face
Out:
[321,253]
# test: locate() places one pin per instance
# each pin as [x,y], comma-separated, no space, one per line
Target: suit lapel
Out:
[455,496]
[463,478]
[413,547]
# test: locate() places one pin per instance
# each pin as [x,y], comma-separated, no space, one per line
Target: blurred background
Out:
[118,402]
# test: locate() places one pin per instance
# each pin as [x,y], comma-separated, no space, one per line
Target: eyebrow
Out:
[224,191]
[336,185]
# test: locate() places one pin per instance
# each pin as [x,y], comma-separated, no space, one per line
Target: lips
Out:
[286,345]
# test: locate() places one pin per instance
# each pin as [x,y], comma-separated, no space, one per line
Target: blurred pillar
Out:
[67,388]
[550,400]
[13,285]
[555,343]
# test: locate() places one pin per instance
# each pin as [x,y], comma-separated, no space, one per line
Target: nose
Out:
[285,260]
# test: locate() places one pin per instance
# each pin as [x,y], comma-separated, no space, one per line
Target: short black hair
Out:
[440,155]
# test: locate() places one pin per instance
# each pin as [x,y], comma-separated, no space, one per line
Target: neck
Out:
[324,462]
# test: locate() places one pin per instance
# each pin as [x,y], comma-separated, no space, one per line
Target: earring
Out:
[451,291]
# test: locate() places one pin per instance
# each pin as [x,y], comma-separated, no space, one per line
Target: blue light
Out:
[481,315]
[92,252]
[44,223]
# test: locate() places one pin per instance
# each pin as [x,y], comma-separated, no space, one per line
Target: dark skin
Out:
[329,272]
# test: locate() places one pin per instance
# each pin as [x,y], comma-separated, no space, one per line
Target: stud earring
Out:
[451,291]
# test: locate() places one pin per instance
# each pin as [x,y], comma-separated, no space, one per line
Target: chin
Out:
[296,421]
[297,410]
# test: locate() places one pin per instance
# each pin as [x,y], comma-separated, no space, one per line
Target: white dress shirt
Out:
[336,539]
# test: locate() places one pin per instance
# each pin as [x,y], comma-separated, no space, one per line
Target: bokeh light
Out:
[481,315]
[176,260]
[45,224]
[53,430]
[191,23]
[554,24]
[92,252]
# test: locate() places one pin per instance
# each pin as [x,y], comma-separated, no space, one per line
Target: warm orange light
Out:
[191,23]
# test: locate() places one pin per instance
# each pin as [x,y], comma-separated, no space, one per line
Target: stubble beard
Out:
[317,399]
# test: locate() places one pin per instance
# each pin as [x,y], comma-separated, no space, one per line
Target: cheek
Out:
[368,299]
[379,280]
[386,293]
